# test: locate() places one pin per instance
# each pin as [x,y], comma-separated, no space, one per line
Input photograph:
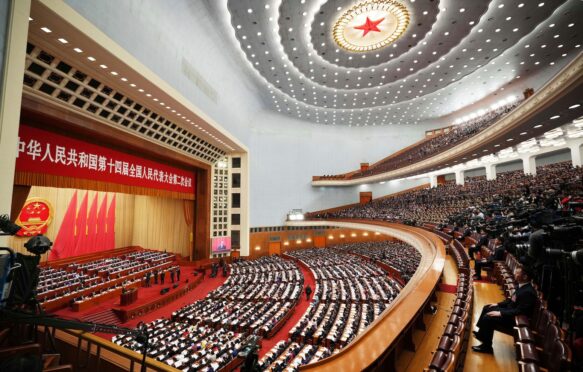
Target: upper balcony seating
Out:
[431,146]
[437,205]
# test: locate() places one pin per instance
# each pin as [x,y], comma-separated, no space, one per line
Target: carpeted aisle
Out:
[298,311]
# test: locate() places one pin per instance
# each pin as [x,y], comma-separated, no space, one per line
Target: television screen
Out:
[221,244]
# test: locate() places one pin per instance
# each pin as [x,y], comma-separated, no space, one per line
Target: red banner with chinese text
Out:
[46,152]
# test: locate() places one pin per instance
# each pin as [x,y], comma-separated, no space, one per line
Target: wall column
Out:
[576,157]
[529,165]
[459,177]
[433,181]
[490,172]
[11,98]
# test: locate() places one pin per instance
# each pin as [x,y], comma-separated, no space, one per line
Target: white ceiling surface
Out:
[453,54]
[162,36]
[178,41]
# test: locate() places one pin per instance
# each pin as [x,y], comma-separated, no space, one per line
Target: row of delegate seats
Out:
[75,280]
[539,340]
[185,346]
[351,291]
[243,305]
[289,356]
[451,349]
[460,256]
[402,257]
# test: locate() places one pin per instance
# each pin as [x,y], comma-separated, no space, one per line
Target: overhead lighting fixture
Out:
[78,50]
[46,29]
[63,41]
[370,25]
[92,59]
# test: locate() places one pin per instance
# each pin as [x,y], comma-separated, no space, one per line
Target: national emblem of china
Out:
[35,217]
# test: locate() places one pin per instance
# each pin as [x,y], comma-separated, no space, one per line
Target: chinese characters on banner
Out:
[40,151]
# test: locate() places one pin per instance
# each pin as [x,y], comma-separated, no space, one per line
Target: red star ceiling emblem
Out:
[369,26]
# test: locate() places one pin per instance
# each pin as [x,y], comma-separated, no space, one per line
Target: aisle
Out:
[298,311]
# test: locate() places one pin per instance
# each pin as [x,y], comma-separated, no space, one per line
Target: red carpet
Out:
[298,311]
[144,294]
[448,288]
[207,285]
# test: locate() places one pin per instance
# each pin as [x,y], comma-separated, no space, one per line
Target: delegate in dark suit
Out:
[501,315]
[497,255]
[483,241]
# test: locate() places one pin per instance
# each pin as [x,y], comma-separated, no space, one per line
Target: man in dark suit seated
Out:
[497,255]
[483,241]
[501,315]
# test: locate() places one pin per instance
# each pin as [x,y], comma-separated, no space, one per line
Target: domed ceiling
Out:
[382,62]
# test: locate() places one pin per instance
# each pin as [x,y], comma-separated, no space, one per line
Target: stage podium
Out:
[128,297]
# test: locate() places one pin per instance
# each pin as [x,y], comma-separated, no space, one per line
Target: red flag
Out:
[110,240]
[81,227]
[100,243]
[91,227]
[65,241]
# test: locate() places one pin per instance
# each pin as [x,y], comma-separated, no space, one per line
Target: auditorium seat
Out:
[442,362]
[528,367]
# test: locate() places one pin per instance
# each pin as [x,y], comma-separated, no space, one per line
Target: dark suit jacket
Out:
[524,304]
[483,241]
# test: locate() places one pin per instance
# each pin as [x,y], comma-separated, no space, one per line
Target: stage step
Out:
[104,317]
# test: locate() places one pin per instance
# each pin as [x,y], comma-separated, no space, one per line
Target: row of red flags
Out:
[83,232]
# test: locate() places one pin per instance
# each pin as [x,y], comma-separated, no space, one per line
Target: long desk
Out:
[65,300]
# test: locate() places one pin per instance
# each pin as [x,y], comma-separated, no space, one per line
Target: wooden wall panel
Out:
[292,240]
[159,224]
[274,248]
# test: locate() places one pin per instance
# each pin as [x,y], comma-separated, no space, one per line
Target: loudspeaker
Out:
[165,290]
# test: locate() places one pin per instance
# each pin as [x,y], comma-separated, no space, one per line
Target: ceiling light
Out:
[249,10]
[91,59]
[63,41]
[78,50]
[352,18]
[46,29]
[103,66]
[555,117]
[574,106]
[538,126]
